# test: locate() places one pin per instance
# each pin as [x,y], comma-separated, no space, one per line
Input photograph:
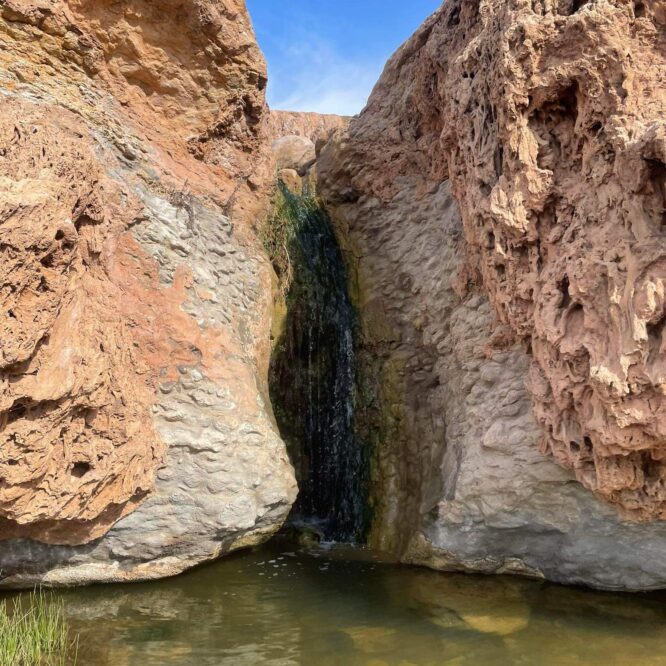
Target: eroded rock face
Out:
[136,434]
[548,129]
[313,126]
[294,152]
[557,152]
[79,446]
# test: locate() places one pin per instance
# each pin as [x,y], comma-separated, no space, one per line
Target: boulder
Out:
[137,439]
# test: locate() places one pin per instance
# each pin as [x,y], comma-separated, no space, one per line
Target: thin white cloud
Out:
[342,89]
[311,75]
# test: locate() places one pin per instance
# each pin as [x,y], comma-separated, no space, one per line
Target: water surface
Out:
[280,607]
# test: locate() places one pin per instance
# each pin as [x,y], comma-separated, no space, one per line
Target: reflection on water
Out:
[282,607]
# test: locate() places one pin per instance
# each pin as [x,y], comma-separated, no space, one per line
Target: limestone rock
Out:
[314,126]
[294,152]
[136,438]
[532,116]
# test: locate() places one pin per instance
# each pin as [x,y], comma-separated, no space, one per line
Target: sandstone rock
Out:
[79,447]
[563,205]
[294,152]
[460,482]
[314,126]
[292,180]
[137,439]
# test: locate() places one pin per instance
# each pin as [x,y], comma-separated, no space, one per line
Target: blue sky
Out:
[325,55]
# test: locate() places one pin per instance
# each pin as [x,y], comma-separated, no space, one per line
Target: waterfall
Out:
[312,377]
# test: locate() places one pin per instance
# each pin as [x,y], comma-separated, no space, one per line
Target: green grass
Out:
[35,633]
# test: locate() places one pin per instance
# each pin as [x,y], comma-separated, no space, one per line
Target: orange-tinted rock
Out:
[564,208]
[133,160]
[548,118]
[314,126]
[79,447]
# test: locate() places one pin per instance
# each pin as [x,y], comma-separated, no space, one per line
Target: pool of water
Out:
[280,606]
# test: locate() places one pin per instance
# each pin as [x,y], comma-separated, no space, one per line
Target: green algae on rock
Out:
[313,367]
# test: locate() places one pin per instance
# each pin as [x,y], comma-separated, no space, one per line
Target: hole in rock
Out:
[564,289]
[655,333]
[639,9]
[80,469]
[577,5]
[651,469]
[48,260]
[570,7]
[84,221]
[17,411]
[498,160]
[575,320]
[554,123]
[657,176]
[454,17]
[313,372]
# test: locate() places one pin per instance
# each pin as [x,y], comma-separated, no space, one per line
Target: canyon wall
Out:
[313,126]
[136,435]
[501,204]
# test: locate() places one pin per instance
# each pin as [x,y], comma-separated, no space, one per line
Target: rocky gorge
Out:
[493,229]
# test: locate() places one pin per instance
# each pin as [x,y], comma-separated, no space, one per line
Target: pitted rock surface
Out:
[548,117]
[79,449]
[460,482]
[137,439]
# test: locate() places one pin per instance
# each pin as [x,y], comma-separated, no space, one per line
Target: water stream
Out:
[313,378]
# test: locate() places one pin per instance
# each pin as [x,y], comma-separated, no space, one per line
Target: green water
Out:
[280,607]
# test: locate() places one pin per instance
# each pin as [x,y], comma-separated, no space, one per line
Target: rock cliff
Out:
[313,126]
[501,205]
[134,159]
[544,122]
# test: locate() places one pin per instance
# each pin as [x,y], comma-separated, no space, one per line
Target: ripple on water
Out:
[282,607]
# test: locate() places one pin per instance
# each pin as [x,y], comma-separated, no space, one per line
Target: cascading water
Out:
[313,375]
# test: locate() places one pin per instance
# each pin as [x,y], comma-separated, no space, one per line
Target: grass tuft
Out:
[38,636]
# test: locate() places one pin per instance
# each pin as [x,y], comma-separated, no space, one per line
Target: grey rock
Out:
[462,485]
